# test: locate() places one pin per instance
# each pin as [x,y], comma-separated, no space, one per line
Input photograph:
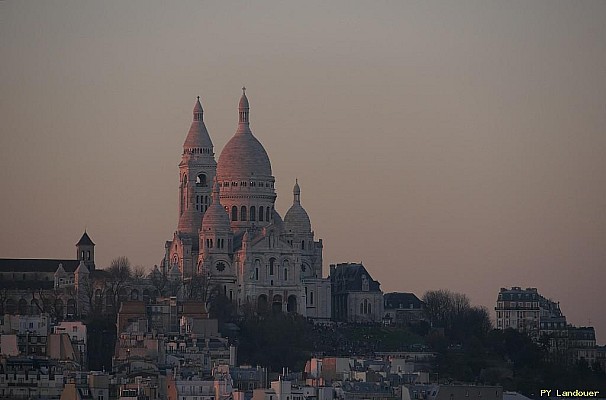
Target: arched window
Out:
[243,213]
[253,215]
[267,214]
[271,265]
[88,255]
[261,213]
[311,298]
[257,274]
[201,180]
[365,307]
[234,213]
[285,274]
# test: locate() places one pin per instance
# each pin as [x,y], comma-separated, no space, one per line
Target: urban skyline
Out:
[443,145]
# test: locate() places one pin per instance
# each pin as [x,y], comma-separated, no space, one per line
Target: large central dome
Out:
[243,157]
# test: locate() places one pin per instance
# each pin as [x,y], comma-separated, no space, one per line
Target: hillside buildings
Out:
[527,311]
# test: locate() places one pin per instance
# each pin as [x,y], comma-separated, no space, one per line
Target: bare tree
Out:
[119,274]
[438,305]
[139,273]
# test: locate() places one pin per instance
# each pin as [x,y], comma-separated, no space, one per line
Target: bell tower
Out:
[85,251]
[198,167]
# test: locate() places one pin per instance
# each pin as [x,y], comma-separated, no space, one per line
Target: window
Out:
[201,180]
[271,265]
[234,213]
[285,274]
[302,244]
[261,213]
[252,215]
[243,213]
[311,298]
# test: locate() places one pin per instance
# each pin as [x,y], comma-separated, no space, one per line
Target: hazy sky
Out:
[452,144]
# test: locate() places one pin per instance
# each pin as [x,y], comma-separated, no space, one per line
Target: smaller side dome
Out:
[215,216]
[296,219]
[190,219]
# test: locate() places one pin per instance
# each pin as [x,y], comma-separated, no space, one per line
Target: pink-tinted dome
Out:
[296,219]
[243,157]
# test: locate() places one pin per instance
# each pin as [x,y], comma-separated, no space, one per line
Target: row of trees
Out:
[454,313]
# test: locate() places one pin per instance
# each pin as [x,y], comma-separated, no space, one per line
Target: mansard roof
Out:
[42,265]
[349,276]
[395,299]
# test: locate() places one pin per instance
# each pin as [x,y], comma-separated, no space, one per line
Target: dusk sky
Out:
[445,144]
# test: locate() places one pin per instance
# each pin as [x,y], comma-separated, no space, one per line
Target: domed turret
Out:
[215,216]
[190,219]
[244,175]
[243,157]
[296,219]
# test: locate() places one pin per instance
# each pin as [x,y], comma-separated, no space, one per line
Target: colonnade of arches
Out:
[253,213]
[263,305]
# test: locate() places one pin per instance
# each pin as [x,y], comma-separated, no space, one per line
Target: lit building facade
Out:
[230,232]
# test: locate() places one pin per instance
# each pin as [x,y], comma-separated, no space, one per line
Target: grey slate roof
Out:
[348,277]
[395,299]
[43,265]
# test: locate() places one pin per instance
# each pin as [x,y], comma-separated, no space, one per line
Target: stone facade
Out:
[230,232]
[356,297]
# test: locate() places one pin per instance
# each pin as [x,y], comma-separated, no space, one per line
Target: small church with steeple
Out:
[229,231]
[25,280]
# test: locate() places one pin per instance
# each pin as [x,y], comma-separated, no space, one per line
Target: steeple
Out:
[198,140]
[296,191]
[243,108]
[85,251]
